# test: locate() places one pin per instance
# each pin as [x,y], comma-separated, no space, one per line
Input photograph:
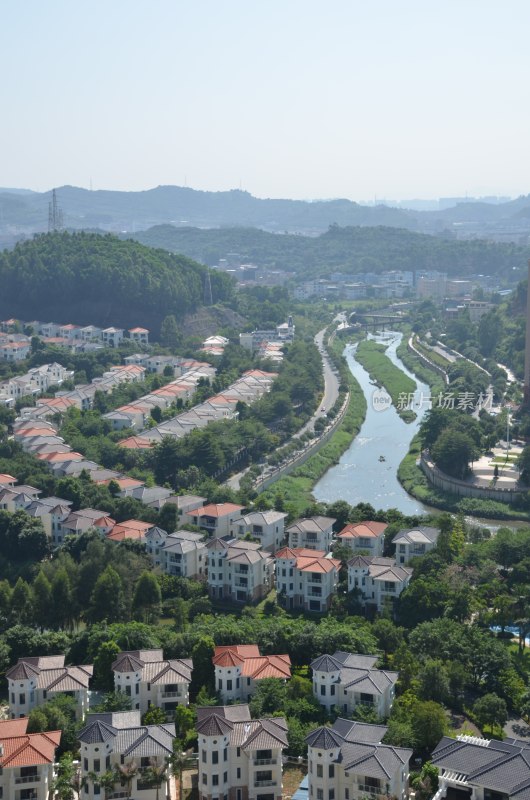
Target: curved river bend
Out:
[362,476]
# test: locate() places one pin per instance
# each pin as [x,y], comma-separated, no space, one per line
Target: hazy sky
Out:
[285,98]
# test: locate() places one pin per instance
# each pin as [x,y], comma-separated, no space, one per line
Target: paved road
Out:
[331,393]
[331,385]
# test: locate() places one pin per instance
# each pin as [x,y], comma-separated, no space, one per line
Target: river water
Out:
[361,476]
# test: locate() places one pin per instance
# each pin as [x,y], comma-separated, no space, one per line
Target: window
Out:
[137,688]
[332,690]
[203,756]
[323,691]
[22,699]
[97,765]
[220,683]
[320,794]
[204,777]
[346,794]
[238,775]
[331,770]
[128,690]
[229,685]
[331,794]
[225,777]
[215,780]
[215,757]
[238,752]
[85,764]
[225,754]
[320,771]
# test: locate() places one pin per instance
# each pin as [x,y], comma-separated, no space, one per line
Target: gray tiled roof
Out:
[498,766]
[97,731]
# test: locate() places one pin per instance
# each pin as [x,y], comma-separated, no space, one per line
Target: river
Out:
[360,476]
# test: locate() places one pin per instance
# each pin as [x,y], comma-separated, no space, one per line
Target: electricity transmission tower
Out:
[55,215]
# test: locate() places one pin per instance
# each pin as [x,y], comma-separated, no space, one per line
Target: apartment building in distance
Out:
[347,680]
[239,758]
[151,680]
[238,668]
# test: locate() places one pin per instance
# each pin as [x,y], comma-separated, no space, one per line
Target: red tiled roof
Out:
[4,478]
[131,529]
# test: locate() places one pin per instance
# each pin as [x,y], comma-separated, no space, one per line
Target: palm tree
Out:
[125,774]
[157,773]
[107,781]
[178,761]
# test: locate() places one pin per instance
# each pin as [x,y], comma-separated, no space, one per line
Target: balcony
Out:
[258,784]
[314,594]
[27,778]
[261,762]
[373,791]
[168,695]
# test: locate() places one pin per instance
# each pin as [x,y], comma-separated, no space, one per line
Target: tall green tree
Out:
[147,598]
[42,600]
[107,601]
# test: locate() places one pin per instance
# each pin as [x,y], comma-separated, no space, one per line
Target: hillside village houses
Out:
[265,526]
[414,542]
[238,571]
[238,669]
[306,579]
[33,680]
[151,680]
[314,533]
[26,761]
[346,680]
[364,537]
[239,758]
[348,761]
[378,581]
[114,740]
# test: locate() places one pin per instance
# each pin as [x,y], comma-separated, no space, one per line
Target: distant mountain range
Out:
[23,212]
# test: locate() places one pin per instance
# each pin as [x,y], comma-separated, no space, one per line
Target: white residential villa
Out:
[414,542]
[378,580]
[346,680]
[239,758]
[151,680]
[238,571]
[314,533]
[268,527]
[117,740]
[33,680]
[306,579]
[239,667]
[364,537]
[348,762]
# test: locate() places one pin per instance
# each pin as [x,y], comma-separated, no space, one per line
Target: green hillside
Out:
[87,278]
[351,250]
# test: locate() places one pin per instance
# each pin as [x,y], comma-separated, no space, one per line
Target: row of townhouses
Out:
[252,385]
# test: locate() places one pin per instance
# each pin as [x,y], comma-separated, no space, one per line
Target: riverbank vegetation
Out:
[381,370]
[293,492]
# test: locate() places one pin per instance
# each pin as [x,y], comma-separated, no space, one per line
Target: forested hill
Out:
[351,249]
[87,278]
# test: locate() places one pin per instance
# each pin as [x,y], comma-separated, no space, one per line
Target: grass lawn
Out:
[521,659]
[398,385]
[292,777]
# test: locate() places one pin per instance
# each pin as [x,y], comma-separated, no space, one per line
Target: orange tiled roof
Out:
[21,749]
[309,560]
[215,510]
[136,443]
[131,529]
[252,663]
[365,530]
